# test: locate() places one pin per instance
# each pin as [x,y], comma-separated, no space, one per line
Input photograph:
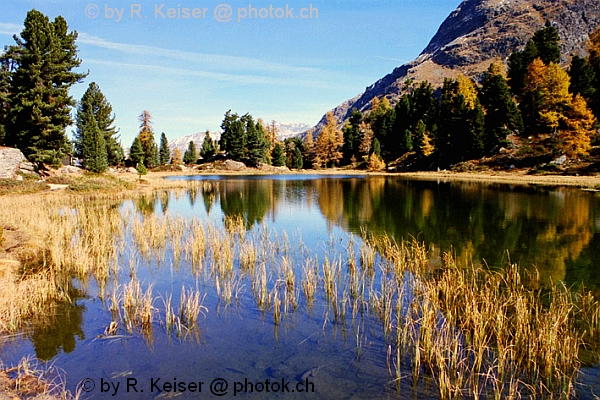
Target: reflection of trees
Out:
[58,329]
[209,194]
[247,199]
[165,196]
[145,204]
[547,228]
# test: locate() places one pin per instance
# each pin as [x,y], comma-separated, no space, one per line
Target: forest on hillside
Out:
[530,111]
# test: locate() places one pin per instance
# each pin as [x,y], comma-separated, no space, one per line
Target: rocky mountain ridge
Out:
[478,33]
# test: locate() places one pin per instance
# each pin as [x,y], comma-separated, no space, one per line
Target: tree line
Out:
[466,120]
[534,97]
[36,74]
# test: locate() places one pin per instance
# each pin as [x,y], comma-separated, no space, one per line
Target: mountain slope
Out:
[479,32]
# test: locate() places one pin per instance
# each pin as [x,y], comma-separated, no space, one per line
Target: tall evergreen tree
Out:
[154,158]
[4,97]
[402,125]
[257,144]
[502,114]
[136,152]
[233,137]
[297,159]
[594,61]
[42,63]
[352,135]
[460,135]
[191,154]
[381,119]
[93,102]
[94,154]
[547,43]
[164,154]
[278,156]
[582,78]
[147,141]
[208,147]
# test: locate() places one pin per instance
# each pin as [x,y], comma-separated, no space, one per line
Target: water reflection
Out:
[551,229]
[58,330]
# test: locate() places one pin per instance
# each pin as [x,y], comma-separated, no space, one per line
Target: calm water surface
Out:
[552,229]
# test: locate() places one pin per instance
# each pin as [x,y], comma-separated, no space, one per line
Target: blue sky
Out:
[189,71]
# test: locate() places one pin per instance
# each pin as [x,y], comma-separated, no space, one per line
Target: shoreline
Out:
[512,178]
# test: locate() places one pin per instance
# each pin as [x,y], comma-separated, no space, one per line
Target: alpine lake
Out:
[318,286]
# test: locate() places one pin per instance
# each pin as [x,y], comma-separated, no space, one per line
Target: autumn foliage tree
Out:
[328,150]
[577,130]
[146,137]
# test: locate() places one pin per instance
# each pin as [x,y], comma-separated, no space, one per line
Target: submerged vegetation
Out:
[452,325]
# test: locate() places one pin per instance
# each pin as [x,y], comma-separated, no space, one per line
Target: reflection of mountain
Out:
[546,228]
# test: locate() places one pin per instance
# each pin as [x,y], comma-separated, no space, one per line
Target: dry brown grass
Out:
[29,380]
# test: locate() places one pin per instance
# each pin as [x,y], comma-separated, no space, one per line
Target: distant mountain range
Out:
[477,33]
[286,130]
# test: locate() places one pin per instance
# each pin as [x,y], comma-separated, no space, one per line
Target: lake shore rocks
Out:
[12,161]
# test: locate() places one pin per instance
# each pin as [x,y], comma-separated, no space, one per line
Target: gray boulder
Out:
[13,161]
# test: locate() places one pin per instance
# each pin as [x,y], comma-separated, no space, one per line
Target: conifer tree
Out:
[147,141]
[176,158]
[136,152]
[41,72]
[351,134]
[366,139]
[594,61]
[329,144]
[547,43]
[402,125]
[208,147]
[582,78]
[191,154]
[233,138]
[543,45]
[578,128]
[154,158]
[278,156]
[502,114]
[4,97]
[164,154]
[94,154]
[376,147]
[257,144]
[460,134]
[381,118]
[297,159]
[141,168]
[309,148]
[94,102]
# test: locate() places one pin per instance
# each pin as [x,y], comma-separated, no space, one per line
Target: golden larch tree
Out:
[467,88]
[328,149]
[366,139]
[176,158]
[577,129]
[146,134]
[309,147]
